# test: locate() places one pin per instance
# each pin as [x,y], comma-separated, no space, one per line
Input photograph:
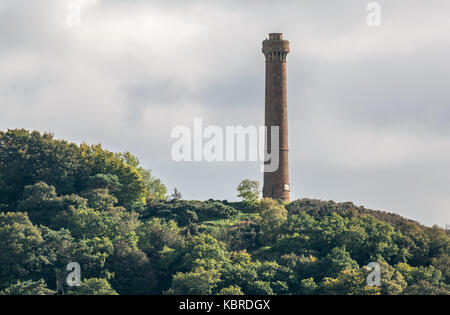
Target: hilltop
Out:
[61,202]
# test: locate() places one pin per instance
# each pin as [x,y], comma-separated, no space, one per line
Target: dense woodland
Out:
[61,202]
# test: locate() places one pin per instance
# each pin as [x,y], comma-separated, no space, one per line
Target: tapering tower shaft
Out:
[275,49]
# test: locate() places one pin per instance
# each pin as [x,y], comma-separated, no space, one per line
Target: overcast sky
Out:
[369,107]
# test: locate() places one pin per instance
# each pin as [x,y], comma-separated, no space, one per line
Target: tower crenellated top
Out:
[276,36]
[275,48]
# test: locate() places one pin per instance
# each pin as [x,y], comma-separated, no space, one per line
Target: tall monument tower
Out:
[276,184]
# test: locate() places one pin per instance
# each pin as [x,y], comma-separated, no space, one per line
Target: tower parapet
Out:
[275,48]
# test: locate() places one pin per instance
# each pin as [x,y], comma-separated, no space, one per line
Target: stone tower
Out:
[276,184]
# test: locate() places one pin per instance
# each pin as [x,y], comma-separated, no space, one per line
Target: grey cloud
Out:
[368,108]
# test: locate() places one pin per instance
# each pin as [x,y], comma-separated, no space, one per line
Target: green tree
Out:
[28,287]
[303,267]
[348,282]
[308,286]
[337,260]
[240,271]
[442,263]
[61,248]
[273,215]
[104,181]
[97,160]
[198,282]
[100,199]
[133,272]
[29,157]
[249,191]
[21,248]
[259,287]
[155,234]
[203,250]
[156,190]
[163,243]
[44,207]
[176,195]
[423,287]
[93,286]
[115,224]
[231,290]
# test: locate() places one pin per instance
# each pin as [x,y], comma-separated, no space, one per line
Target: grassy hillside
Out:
[61,202]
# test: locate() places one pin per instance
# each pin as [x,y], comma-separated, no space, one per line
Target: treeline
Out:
[61,203]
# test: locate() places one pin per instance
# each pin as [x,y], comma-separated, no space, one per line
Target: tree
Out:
[96,160]
[156,190]
[61,248]
[104,181]
[273,215]
[115,224]
[100,199]
[348,282]
[231,290]
[28,287]
[240,271]
[368,238]
[303,267]
[337,260]
[249,191]
[93,286]
[176,195]
[423,287]
[414,275]
[274,275]
[133,272]
[45,207]
[203,250]
[198,282]
[442,263]
[260,288]
[308,286]
[155,234]
[392,281]
[29,157]
[21,248]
